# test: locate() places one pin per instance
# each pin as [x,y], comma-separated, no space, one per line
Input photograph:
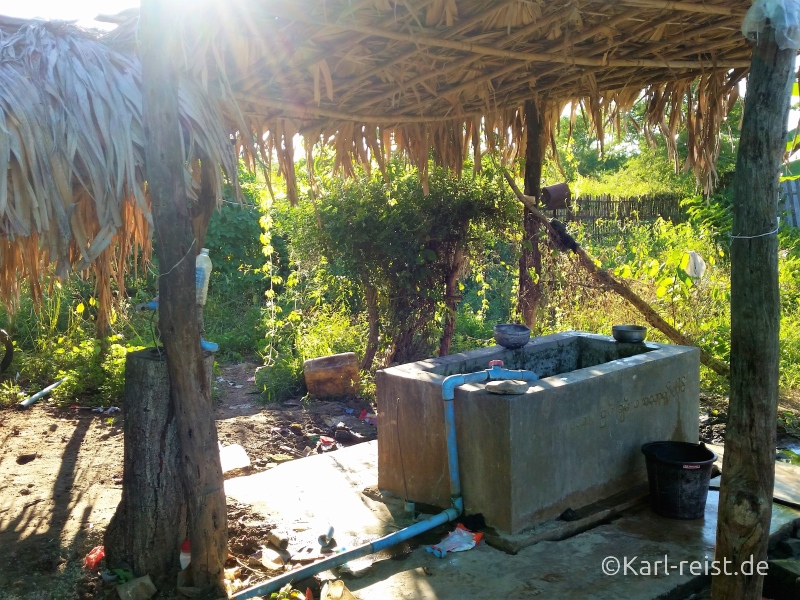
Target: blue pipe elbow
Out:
[500,373]
[451,383]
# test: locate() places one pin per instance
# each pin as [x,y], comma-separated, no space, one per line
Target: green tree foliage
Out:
[401,242]
[233,240]
[238,282]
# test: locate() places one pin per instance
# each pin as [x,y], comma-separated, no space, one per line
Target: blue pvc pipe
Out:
[451,383]
[448,393]
[452,455]
[27,402]
[496,372]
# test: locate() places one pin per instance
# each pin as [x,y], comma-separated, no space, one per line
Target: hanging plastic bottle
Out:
[186,554]
[202,272]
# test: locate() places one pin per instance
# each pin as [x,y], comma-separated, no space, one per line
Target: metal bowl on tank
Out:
[511,335]
[630,334]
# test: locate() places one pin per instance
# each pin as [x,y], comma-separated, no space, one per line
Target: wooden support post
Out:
[530,291]
[748,471]
[176,248]
[151,522]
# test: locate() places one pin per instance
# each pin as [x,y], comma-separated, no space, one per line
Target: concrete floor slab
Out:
[304,496]
[308,493]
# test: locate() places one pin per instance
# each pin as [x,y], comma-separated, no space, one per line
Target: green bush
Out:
[235,323]
[320,331]
[326,331]
[472,331]
[281,377]
[790,352]
[651,258]
[58,341]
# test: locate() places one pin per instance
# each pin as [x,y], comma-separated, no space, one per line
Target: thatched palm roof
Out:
[71,143]
[437,78]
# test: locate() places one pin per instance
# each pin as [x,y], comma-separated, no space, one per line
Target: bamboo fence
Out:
[602,215]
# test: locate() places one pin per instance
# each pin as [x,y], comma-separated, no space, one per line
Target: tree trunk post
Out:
[530,291]
[150,522]
[451,299]
[206,204]
[176,248]
[748,472]
[371,295]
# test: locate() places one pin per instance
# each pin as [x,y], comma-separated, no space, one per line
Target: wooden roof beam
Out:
[462,63]
[280,9]
[529,29]
[267,61]
[692,7]
[303,111]
[465,85]
[453,31]
[395,118]
[525,31]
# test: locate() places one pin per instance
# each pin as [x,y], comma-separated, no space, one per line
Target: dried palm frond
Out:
[71,144]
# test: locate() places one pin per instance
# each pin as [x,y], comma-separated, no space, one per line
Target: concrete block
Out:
[140,588]
[783,580]
[332,376]
[572,439]
[790,547]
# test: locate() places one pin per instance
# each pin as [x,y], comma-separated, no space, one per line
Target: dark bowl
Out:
[631,334]
[511,335]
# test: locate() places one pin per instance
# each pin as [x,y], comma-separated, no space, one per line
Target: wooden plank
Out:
[787,204]
[790,190]
[794,209]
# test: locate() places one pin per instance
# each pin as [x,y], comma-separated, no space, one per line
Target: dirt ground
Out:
[714,417]
[61,476]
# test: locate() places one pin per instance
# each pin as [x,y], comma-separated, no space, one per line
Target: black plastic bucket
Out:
[678,474]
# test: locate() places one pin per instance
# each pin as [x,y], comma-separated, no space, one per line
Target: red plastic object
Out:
[495,363]
[363,414]
[309,594]
[94,557]
[326,440]
[186,547]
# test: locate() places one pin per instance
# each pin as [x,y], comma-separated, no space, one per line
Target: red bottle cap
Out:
[186,547]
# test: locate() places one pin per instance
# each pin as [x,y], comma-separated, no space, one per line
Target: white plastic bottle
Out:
[186,554]
[202,271]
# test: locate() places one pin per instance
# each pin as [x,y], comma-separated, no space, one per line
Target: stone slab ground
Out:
[787,478]
[305,495]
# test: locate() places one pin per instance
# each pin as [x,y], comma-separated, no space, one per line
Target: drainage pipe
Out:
[448,386]
[26,403]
